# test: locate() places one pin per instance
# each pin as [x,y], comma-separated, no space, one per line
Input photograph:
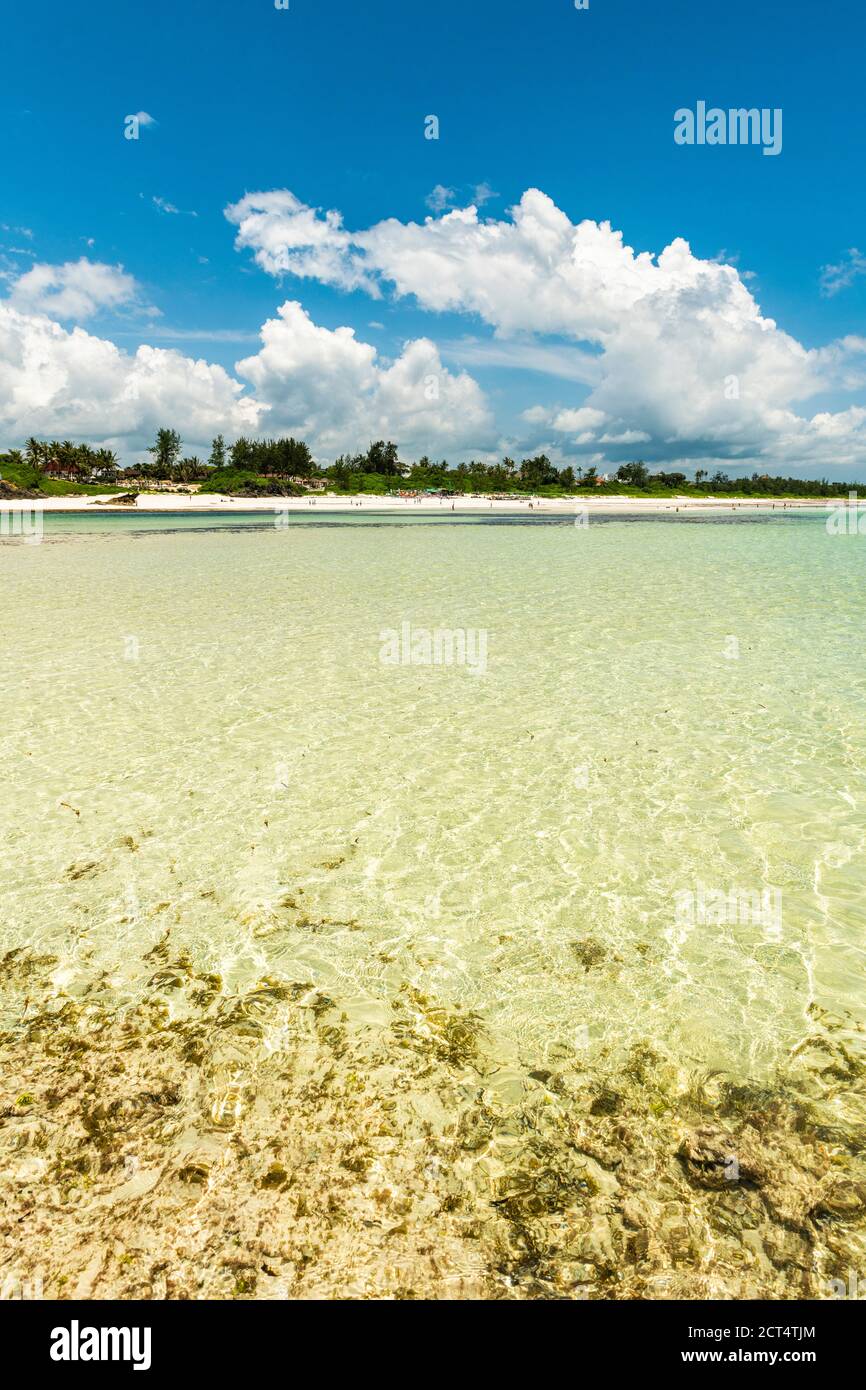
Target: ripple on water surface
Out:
[641,827]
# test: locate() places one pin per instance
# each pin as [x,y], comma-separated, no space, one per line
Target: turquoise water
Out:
[668,706]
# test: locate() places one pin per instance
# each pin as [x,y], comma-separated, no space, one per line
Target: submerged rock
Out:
[588,952]
[712,1157]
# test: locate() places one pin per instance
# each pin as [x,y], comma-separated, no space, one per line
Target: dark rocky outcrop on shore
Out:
[9,492]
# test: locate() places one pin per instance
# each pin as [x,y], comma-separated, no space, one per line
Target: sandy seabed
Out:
[168,1135]
[200,1144]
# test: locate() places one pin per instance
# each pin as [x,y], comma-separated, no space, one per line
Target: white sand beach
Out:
[472,504]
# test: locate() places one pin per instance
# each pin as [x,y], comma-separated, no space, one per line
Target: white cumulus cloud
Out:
[683,359]
[287,237]
[71,384]
[75,290]
[330,388]
[321,384]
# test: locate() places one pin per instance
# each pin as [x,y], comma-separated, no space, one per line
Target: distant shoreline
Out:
[210,504]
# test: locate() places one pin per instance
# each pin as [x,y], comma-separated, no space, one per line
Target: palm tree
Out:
[34,452]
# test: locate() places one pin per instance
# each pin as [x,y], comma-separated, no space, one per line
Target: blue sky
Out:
[328,100]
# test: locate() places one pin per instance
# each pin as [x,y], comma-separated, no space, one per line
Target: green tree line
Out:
[285,465]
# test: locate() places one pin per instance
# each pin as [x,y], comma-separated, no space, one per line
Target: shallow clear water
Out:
[198,732]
